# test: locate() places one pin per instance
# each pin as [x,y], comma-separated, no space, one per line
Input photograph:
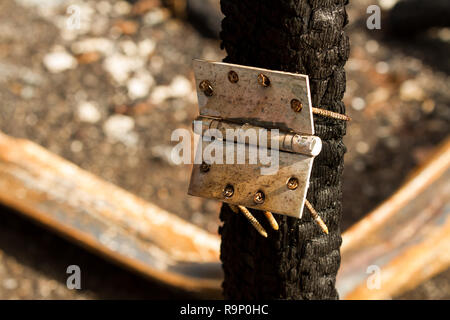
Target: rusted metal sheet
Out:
[238,93]
[407,238]
[107,219]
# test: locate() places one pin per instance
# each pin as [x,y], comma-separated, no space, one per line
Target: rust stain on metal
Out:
[407,236]
[107,219]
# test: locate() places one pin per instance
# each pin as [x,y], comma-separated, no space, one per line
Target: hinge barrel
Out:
[230,131]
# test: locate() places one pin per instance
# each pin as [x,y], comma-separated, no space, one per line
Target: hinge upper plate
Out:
[248,101]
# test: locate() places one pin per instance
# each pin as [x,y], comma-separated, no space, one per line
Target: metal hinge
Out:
[236,101]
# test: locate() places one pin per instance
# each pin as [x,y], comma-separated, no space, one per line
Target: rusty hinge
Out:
[257,142]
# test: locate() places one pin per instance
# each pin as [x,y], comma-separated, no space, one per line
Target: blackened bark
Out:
[299,261]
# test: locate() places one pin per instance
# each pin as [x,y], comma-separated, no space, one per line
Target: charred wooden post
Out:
[299,261]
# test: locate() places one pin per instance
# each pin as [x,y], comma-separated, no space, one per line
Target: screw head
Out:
[292,183]
[259,197]
[233,76]
[228,191]
[296,105]
[263,80]
[204,167]
[206,87]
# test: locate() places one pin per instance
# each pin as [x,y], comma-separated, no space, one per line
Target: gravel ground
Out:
[61,88]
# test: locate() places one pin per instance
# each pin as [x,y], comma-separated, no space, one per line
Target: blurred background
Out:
[107,96]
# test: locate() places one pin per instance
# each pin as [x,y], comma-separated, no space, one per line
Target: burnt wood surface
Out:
[299,261]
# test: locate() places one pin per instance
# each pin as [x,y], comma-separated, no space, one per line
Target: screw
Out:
[204,167]
[233,77]
[228,191]
[296,105]
[272,221]
[253,221]
[206,87]
[259,197]
[263,80]
[330,114]
[292,183]
[316,217]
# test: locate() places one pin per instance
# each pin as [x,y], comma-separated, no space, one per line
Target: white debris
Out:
[122,8]
[411,90]
[155,17]
[129,47]
[10,284]
[88,112]
[382,67]
[358,103]
[76,146]
[59,61]
[103,7]
[120,128]
[101,45]
[387,4]
[362,147]
[139,86]
[372,46]
[160,94]
[146,47]
[180,87]
[120,66]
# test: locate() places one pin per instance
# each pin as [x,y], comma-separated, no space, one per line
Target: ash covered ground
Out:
[107,97]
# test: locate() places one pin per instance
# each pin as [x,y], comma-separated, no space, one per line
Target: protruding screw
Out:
[204,167]
[292,183]
[296,105]
[259,197]
[228,191]
[263,80]
[233,76]
[206,87]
